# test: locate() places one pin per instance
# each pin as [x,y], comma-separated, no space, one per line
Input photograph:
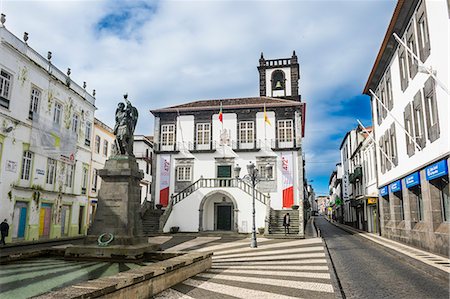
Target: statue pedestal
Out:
[118,207]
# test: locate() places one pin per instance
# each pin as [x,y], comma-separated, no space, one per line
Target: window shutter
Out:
[411,42]
[393,140]
[419,122]
[429,93]
[403,70]
[382,157]
[422,32]
[408,119]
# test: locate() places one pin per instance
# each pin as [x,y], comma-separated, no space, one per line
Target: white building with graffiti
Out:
[46,124]
[199,148]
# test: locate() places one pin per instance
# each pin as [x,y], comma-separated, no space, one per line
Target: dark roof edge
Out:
[400,19]
[229,107]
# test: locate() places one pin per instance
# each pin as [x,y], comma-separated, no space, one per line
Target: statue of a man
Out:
[126,119]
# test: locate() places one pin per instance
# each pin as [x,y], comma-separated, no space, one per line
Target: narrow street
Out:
[366,270]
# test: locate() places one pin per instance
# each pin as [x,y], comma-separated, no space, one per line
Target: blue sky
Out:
[170,52]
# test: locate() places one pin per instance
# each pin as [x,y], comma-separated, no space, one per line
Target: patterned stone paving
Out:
[276,269]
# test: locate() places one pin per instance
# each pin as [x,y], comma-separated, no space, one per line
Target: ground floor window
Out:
[417,194]
[443,187]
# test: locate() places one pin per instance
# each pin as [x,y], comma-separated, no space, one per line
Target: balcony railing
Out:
[219,183]
[238,145]
[356,176]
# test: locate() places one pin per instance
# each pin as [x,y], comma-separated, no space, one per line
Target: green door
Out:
[223,217]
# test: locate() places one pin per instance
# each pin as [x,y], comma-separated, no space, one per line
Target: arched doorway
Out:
[218,212]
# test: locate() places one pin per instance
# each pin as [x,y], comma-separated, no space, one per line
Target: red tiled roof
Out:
[237,103]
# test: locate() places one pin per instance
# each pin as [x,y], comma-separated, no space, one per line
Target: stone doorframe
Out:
[234,224]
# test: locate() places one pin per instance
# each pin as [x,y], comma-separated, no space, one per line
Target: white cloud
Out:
[171,52]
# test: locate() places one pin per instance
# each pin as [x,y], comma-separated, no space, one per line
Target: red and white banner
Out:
[164,179]
[287,168]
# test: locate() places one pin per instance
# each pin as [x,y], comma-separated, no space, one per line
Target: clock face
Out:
[278,80]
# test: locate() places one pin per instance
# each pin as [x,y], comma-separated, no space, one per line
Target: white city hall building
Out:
[202,150]
[410,109]
[46,123]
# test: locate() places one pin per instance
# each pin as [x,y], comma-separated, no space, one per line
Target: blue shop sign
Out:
[396,186]
[412,180]
[436,170]
[384,191]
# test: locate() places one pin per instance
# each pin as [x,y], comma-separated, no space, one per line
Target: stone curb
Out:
[38,242]
[339,292]
[392,248]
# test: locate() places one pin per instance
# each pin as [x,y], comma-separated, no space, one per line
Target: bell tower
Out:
[279,77]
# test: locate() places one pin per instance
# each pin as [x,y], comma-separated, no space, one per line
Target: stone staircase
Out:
[150,221]
[276,227]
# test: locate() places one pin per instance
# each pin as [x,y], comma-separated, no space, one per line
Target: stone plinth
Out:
[119,202]
[114,252]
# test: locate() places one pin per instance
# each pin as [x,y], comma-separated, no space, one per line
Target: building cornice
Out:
[399,21]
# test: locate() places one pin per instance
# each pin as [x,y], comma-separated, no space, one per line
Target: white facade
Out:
[188,159]
[413,129]
[438,59]
[143,151]
[43,192]
[103,141]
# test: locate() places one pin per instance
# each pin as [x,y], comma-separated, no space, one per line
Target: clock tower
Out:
[279,77]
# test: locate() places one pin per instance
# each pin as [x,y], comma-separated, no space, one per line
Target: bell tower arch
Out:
[279,77]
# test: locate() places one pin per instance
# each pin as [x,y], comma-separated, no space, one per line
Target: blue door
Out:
[22,222]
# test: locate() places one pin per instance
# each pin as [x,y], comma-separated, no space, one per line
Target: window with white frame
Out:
[285,130]
[184,173]
[34,102]
[168,134]
[84,178]
[393,145]
[203,133]
[97,144]
[389,97]
[431,110]
[87,133]
[27,160]
[246,132]
[264,172]
[403,68]
[105,147]
[75,123]
[413,64]
[57,113]
[94,179]
[69,175]
[422,32]
[51,171]
[5,88]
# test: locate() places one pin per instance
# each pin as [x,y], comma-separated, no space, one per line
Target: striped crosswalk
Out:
[276,269]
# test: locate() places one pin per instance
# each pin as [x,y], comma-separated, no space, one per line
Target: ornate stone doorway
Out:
[218,212]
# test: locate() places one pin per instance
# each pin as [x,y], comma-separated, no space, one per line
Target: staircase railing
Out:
[220,183]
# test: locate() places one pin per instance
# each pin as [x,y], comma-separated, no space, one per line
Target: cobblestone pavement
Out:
[276,269]
[368,270]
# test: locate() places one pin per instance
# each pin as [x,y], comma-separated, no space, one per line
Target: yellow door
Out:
[41,222]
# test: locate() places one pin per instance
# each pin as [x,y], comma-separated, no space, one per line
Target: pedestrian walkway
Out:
[276,269]
[426,257]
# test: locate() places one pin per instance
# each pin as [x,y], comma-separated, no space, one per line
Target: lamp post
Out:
[253,178]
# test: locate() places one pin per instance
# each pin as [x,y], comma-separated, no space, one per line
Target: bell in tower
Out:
[279,77]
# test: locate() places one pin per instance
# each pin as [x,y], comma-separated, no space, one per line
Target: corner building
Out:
[46,128]
[199,146]
[413,153]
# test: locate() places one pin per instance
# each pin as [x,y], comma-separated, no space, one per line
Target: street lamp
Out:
[253,178]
